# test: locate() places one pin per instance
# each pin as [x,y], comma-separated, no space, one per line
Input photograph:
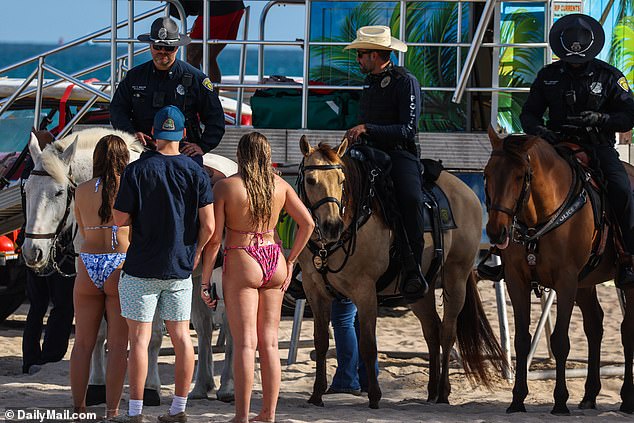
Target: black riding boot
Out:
[625,276]
[413,285]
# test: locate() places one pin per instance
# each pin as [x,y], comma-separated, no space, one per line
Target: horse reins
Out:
[54,236]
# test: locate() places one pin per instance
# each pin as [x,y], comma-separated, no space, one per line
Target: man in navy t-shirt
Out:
[166,198]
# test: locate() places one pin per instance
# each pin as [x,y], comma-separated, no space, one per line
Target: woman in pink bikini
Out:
[255,273]
[96,285]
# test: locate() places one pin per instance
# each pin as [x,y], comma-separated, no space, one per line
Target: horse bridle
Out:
[54,236]
[524,193]
[325,200]
[322,250]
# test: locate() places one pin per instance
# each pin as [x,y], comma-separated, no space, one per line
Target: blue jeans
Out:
[351,373]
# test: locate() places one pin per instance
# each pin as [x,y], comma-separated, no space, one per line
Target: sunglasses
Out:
[163,48]
[360,53]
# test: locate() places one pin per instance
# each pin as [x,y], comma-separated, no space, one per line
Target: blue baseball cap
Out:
[169,123]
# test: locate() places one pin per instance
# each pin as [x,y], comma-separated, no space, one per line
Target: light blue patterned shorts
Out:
[140,296]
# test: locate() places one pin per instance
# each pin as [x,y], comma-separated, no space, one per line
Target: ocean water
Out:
[15,125]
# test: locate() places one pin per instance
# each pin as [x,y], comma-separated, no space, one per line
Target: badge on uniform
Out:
[385,81]
[207,84]
[180,89]
[623,84]
[596,88]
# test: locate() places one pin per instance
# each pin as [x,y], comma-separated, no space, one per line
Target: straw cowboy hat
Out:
[576,38]
[376,37]
[164,32]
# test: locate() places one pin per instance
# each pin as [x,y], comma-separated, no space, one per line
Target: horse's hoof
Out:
[95,395]
[374,405]
[442,401]
[432,399]
[315,400]
[225,397]
[151,397]
[516,408]
[196,394]
[588,404]
[560,411]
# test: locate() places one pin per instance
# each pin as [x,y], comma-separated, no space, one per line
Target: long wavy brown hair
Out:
[256,170]
[110,157]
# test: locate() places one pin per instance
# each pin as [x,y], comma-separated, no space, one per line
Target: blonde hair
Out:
[256,170]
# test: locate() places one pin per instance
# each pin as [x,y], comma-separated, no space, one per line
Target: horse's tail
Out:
[476,340]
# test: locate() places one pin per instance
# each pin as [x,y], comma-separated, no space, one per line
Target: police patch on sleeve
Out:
[207,84]
[623,84]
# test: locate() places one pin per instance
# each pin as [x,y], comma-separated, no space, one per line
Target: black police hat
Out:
[576,38]
[164,32]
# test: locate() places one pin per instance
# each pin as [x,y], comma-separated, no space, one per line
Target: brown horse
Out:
[527,182]
[353,272]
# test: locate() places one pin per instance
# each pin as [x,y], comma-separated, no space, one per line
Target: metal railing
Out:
[117,63]
[24,91]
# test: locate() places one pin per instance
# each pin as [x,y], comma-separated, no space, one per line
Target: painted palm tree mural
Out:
[518,66]
[436,67]
[433,66]
[622,47]
[621,53]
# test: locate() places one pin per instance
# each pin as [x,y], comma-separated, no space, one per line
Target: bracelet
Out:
[291,261]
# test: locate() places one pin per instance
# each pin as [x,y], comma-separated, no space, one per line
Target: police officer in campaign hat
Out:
[164,81]
[389,112]
[588,100]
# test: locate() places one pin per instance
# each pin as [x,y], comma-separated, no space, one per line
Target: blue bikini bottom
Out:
[101,266]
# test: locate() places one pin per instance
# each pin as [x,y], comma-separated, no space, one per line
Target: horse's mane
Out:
[88,138]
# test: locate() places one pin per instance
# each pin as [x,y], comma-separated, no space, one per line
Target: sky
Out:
[55,21]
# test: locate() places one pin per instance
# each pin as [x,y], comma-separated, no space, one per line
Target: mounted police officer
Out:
[165,81]
[389,110]
[588,100]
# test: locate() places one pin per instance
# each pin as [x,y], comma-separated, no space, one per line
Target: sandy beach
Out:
[403,377]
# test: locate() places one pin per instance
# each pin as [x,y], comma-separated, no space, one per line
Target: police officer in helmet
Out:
[389,112]
[165,81]
[588,100]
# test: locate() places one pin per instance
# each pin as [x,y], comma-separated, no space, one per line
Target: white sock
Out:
[135,407]
[178,405]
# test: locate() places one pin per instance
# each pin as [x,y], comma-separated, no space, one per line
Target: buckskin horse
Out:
[543,224]
[356,241]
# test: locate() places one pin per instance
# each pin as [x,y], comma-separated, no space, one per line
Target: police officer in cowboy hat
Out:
[165,81]
[389,110]
[594,98]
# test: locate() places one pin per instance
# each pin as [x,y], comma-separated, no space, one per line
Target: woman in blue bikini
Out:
[96,285]
[255,273]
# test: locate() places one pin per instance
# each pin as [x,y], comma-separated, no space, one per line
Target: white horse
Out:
[59,167]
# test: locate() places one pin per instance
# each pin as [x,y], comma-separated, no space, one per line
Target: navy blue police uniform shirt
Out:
[390,108]
[598,87]
[163,194]
[145,90]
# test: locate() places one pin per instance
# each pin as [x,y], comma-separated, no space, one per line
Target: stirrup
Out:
[413,286]
[625,277]
[490,272]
